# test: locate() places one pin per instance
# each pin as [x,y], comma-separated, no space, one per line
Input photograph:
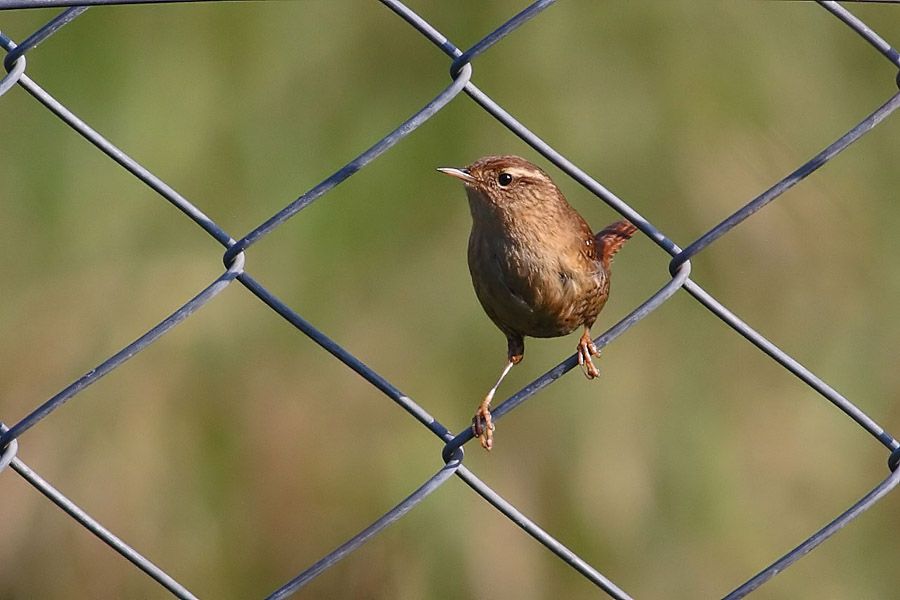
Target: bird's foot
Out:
[483,426]
[587,349]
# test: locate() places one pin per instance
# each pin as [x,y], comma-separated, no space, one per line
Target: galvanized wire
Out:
[461,73]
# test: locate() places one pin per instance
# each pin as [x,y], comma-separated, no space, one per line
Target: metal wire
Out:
[461,72]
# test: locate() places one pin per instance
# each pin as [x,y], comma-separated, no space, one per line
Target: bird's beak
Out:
[462,174]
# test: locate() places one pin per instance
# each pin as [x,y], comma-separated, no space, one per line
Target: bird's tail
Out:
[611,238]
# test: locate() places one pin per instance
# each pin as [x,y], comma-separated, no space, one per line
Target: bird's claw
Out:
[587,349]
[483,427]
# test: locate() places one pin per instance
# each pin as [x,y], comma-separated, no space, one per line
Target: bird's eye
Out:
[504,179]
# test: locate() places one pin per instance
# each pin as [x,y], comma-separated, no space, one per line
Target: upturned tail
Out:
[611,238]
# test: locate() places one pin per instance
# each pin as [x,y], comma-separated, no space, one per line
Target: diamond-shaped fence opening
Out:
[588,549]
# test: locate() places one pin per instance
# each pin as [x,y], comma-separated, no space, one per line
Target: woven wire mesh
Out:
[462,68]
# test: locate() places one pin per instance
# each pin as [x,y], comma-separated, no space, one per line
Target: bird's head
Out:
[505,183]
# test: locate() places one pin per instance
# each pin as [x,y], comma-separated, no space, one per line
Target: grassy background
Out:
[234,452]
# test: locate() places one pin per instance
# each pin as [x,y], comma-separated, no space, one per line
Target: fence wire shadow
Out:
[461,70]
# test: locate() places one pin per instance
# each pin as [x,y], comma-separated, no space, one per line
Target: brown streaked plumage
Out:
[537,268]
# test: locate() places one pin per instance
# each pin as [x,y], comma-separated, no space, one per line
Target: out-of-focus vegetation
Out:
[234,452]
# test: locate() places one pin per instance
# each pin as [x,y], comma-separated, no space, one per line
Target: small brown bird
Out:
[536,267]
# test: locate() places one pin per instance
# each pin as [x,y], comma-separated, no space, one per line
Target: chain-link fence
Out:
[463,63]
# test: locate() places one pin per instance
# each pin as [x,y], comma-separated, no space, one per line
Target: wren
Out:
[536,267]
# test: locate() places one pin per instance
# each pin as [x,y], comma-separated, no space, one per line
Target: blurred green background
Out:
[234,452]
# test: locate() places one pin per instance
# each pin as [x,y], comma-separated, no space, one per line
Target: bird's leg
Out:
[482,425]
[587,349]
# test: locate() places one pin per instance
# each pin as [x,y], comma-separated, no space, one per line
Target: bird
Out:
[537,268]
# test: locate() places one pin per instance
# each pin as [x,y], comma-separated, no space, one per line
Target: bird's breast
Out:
[535,286]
